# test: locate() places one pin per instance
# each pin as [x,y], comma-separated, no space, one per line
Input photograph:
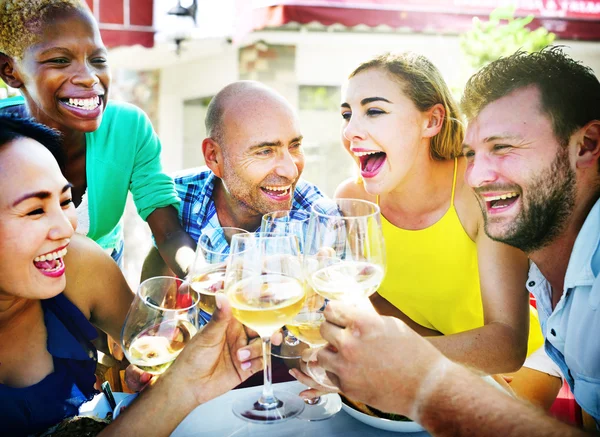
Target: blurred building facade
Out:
[172,65]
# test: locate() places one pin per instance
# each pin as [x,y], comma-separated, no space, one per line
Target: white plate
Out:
[99,406]
[123,403]
[385,424]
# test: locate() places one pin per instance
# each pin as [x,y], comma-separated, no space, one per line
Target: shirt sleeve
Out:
[150,186]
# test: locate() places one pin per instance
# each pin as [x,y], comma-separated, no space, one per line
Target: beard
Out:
[247,194]
[545,210]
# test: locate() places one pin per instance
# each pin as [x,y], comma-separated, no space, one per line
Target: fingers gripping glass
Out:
[265,288]
[344,255]
[162,319]
[207,273]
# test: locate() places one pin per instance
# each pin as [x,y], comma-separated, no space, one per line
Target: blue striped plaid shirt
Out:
[198,214]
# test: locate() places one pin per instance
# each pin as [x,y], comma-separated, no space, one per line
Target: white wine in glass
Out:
[266,302]
[344,255]
[294,222]
[162,319]
[207,273]
[347,280]
[265,287]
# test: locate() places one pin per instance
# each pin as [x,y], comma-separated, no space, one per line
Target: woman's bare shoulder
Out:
[85,263]
[353,188]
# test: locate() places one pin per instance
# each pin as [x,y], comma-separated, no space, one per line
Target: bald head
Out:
[237,99]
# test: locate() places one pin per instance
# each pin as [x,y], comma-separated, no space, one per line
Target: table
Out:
[216,419]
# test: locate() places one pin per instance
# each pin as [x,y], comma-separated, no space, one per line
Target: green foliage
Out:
[501,36]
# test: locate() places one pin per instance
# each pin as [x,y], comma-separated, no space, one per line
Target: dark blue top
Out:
[59,395]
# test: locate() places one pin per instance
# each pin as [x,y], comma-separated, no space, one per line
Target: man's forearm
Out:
[458,402]
[157,411]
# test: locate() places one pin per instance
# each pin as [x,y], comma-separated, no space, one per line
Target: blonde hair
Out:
[422,82]
[21,22]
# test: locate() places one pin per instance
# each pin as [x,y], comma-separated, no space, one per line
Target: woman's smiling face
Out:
[381,129]
[37,220]
[65,76]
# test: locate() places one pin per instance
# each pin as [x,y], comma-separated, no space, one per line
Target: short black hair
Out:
[13,128]
[570,92]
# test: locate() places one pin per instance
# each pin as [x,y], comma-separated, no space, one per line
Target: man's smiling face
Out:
[520,173]
[262,154]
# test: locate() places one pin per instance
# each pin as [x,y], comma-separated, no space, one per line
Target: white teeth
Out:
[501,196]
[277,188]
[51,256]
[89,104]
[359,154]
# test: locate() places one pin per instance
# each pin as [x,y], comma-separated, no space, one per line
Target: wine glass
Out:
[207,273]
[305,326]
[344,256]
[162,319]
[293,222]
[265,288]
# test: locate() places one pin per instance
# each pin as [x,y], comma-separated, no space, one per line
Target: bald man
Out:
[254,160]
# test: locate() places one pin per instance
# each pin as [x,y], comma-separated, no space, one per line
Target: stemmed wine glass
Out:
[344,256]
[294,222]
[265,288]
[305,326]
[207,273]
[162,319]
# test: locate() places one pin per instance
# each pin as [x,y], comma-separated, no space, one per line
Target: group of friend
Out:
[474,220]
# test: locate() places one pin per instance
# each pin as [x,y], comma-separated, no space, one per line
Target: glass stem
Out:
[267,399]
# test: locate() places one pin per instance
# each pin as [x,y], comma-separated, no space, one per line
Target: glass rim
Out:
[287,212]
[265,235]
[376,209]
[203,246]
[160,308]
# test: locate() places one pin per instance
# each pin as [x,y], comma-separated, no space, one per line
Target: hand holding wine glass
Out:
[344,255]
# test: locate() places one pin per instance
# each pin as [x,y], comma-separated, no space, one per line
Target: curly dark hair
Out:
[21,20]
[570,92]
[13,128]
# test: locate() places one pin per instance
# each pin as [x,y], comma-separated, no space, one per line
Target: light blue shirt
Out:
[572,330]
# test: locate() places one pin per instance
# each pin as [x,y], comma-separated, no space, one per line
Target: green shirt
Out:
[122,155]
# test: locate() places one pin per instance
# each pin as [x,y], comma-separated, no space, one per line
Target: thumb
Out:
[216,328]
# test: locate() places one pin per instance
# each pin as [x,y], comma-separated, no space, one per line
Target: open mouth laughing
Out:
[371,162]
[499,202]
[51,264]
[89,107]
[277,193]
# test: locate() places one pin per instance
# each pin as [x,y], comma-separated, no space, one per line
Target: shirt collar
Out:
[579,271]
[202,205]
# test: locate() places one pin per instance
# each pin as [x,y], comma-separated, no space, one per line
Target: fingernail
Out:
[243,354]
[219,299]
[145,378]
[293,372]
[246,365]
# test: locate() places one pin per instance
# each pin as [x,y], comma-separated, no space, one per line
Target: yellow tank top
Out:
[432,276]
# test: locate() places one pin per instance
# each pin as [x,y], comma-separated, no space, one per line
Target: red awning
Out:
[568,19]
[124,22]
